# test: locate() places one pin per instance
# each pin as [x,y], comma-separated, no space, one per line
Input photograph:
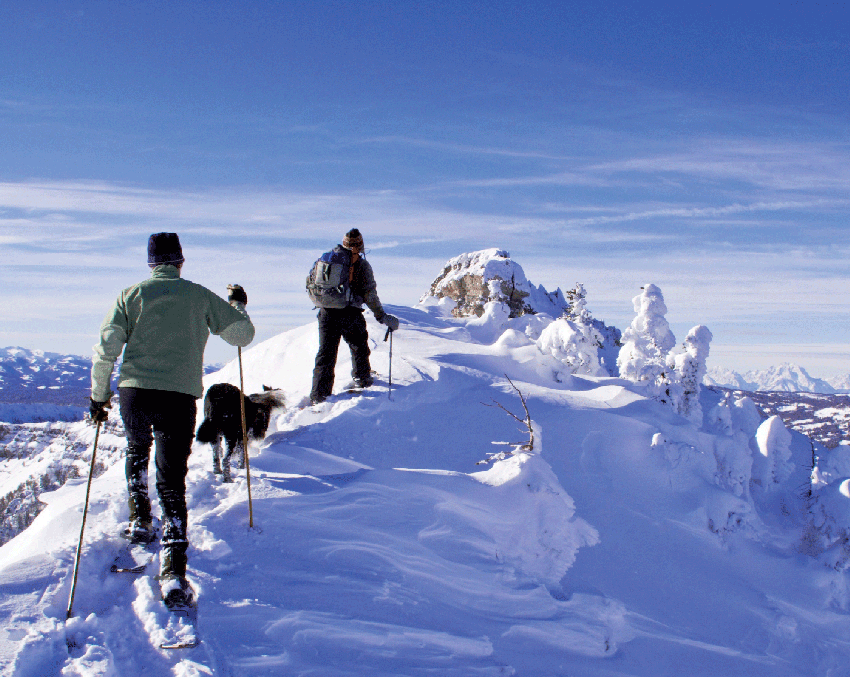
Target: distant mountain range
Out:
[789,378]
[38,377]
[30,376]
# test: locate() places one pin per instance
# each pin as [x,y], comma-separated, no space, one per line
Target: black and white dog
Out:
[223,419]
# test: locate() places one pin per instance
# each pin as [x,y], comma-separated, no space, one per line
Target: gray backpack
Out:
[327,283]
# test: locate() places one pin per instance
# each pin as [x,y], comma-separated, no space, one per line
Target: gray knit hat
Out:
[164,248]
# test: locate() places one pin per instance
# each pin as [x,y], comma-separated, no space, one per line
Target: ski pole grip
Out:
[387,335]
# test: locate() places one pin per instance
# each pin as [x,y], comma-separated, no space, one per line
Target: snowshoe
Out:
[140,532]
[134,558]
[364,382]
[181,629]
[177,594]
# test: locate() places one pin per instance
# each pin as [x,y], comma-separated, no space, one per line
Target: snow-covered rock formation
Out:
[491,286]
[476,279]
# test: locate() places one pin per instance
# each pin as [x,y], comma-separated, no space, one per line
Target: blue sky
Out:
[704,149]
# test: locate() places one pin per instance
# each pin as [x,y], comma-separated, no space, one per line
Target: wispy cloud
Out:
[78,214]
[706,212]
[570,178]
[86,240]
[463,149]
[96,210]
[719,166]
[784,167]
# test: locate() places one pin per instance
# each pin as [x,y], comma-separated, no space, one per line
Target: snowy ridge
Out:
[841,383]
[629,540]
[726,378]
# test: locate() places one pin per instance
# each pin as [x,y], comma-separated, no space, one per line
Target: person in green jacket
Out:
[161,325]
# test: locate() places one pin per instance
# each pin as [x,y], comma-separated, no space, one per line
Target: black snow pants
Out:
[335,323]
[168,418]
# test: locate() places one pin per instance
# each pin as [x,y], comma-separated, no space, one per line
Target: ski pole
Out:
[245,440]
[83,527]
[389,335]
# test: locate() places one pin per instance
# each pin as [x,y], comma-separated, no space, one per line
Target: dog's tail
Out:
[207,433]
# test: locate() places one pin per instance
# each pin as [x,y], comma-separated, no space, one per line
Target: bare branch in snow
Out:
[521,446]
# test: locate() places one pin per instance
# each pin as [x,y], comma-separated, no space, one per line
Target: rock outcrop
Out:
[473,280]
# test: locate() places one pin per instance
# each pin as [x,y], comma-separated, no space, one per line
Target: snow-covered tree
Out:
[577,299]
[772,465]
[733,421]
[573,339]
[690,367]
[647,341]
[606,338]
[574,345]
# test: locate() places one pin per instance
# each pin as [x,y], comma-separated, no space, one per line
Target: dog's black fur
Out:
[223,419]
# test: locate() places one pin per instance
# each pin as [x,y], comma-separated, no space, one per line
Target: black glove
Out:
[390,321]
[97,410]
[237,294]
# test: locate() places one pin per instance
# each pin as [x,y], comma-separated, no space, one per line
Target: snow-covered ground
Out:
[629,541]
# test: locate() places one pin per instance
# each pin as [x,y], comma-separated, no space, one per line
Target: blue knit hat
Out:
[164,248]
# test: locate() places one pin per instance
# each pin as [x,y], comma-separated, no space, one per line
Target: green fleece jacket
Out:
[162,325]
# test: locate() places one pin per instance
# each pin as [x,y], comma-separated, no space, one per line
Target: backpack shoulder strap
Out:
[354,258]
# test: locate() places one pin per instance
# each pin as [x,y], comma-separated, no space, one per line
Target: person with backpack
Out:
[161,325]
[340,282]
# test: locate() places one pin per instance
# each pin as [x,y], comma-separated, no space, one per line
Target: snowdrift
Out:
[629,541]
